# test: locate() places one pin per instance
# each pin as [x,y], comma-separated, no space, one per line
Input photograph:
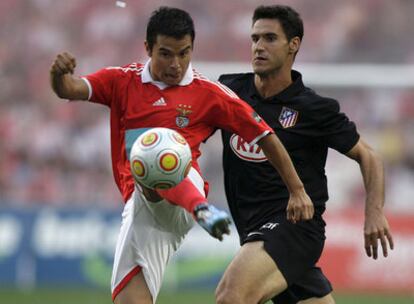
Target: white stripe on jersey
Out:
[199,75]
[221,86]
[227,89]
[89,87]
[132,67]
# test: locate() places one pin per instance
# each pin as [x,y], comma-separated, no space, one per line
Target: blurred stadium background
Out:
[59,207]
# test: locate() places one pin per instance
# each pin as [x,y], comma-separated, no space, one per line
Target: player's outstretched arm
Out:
[376,225]
[62,80]
[300,206]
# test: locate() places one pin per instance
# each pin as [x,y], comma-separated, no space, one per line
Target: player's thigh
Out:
[135,292]
[146,241]
[328,299]
[251,277]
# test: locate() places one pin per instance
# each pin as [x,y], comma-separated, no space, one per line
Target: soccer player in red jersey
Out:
[167,92]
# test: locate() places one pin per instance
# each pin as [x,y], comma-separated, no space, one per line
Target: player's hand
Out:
[376,228]
[64,63]
[300,207]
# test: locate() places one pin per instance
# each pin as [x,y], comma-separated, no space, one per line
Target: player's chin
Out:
[260,70]
[172,80]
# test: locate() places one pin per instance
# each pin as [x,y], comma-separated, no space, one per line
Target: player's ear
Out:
[294,45]
[147,48]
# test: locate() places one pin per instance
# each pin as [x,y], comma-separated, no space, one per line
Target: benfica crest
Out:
[288,117]
[182,120]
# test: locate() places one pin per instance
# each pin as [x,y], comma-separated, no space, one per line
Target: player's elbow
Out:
[225,295]
[375,155]
[372,157]
[364,154]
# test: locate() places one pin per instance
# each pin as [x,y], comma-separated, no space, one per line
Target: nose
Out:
[258,45]
[175,63]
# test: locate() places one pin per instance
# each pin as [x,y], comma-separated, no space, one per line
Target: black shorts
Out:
[295,248]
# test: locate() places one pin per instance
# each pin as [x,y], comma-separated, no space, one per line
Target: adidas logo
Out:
[159,102]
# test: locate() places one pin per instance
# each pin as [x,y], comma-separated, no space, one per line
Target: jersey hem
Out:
[254,141]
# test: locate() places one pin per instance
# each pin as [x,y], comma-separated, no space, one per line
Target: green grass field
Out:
[94,297]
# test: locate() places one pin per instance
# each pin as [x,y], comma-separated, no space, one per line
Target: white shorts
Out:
[150,234]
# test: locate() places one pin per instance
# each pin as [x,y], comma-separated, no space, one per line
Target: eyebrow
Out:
[185,49]
[169,50]
[264,34]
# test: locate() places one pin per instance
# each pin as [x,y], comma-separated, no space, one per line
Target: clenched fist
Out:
[64,63]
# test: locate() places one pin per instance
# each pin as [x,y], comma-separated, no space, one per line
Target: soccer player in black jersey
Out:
[279,249]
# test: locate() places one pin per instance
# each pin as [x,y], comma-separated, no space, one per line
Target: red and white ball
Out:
[160,158]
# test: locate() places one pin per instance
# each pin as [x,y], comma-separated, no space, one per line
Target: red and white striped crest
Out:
[288,117]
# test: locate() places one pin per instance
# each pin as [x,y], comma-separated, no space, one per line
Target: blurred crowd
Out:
[53,153]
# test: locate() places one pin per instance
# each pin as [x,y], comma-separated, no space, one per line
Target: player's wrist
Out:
[373,209]
[298,189]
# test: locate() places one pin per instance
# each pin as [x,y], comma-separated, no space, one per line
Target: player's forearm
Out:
[67,86]
[57,82]
[280,159]
[373,175]
[61,84]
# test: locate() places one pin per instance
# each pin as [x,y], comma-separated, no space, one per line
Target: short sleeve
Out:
[338,131]
[235,115]
[101,85]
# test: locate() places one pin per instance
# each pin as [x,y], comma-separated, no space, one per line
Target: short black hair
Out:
[289,19]
[171,22]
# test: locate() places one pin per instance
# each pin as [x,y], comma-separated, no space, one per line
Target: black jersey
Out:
[307,125]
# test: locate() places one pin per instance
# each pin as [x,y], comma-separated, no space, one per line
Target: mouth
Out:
[259,59]
[173,76]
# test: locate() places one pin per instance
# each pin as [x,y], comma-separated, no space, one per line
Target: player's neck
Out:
[273,83]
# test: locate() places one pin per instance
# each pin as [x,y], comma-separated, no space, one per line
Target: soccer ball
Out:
[160,158]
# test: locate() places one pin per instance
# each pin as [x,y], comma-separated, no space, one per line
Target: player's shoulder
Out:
[315,102]
[234,77]
[131,69]
[213,87]
[236,80]
[326,103]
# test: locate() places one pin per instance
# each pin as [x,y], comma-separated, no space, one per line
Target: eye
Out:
[271,38]
[255,38]
[184,53]
[165,54]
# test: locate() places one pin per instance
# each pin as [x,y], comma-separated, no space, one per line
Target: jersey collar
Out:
[147,77]
[286,95]
[294,89]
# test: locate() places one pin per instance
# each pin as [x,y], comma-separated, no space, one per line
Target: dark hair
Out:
[289,19]
[171,22]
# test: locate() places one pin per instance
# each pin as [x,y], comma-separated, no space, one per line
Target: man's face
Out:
[170,58]
[270,48]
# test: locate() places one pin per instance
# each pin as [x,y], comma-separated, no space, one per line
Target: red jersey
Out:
[195,108]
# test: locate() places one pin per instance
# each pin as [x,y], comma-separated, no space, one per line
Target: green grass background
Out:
[45,296]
